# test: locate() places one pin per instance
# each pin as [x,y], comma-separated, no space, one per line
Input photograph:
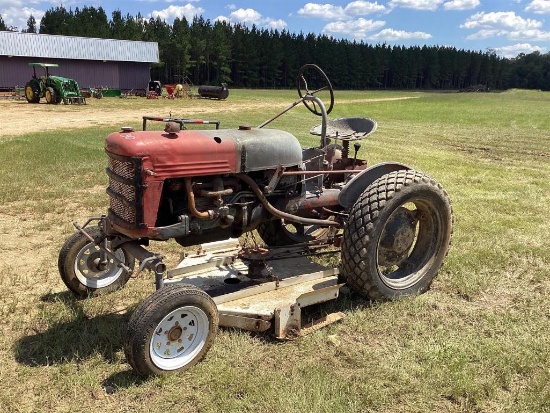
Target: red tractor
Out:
[390,224]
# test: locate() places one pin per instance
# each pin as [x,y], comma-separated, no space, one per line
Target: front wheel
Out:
[397,236]
[50,96]
[80,268]
[171,330]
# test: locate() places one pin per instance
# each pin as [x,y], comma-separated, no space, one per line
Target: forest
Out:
[205,52]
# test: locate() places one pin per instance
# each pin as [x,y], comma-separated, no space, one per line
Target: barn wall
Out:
[15,71]
[133,75]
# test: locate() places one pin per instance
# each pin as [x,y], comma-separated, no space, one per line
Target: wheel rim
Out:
[408,244]
[29,93]
[179,338]
[89,274]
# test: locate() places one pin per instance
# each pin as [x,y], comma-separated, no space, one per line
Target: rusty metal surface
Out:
[355,187]
[244,323]
[281,214]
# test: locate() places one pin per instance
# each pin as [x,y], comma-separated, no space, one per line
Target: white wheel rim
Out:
[89,275]
[179,338]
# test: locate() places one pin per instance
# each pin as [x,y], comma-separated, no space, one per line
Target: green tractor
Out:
[54,88]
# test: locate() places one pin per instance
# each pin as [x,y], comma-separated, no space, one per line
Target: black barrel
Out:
[214,92]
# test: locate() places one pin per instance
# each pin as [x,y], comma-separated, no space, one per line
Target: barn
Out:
[115,64]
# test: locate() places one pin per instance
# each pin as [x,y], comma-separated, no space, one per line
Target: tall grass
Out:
[477,341]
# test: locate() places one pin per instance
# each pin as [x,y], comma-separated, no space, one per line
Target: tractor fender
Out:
[355,187]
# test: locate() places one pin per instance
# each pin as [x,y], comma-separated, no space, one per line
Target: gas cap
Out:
[245,127]
[172,128]
[126,129]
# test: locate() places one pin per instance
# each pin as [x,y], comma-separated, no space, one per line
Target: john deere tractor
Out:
[53,88]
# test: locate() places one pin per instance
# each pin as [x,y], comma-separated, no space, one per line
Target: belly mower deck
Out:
[260,289]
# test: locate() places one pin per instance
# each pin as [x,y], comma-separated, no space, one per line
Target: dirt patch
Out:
[26,118]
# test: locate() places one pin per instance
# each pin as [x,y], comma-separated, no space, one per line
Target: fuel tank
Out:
[206,152]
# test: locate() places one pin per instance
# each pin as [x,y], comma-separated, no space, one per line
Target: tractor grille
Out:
[125,190]
[124,169]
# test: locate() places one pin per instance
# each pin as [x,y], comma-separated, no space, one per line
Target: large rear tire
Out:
[397,236]
[79,270]
[32,92]
[171,330]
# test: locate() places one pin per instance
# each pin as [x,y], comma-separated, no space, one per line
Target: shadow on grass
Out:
[73,341]
[64,296]
[103,335]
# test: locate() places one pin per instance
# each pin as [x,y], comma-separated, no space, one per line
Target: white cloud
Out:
[506,24]
[171,12]
[500,20]
[354,28]
[430,5]
[17,15]
[323,11]
[222,19]
[332,12]
[391,35]
[363,8]
[486,34]
[251,16]
[539,6]
[231,7]
[533,35]
[276,24]
[514,50]
[461,4]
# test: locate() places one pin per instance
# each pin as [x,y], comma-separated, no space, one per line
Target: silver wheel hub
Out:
[91,272]
[397,238]
[179,337]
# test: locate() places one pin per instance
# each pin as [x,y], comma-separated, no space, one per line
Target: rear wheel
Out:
[397,236]
[32,92]
[80,268]
[171,330]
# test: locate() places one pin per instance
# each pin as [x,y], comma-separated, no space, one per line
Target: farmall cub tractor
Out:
[390,224]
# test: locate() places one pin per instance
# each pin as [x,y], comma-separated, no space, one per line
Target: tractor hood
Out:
[207,152]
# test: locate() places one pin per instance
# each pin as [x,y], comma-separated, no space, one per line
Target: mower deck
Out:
[260,289]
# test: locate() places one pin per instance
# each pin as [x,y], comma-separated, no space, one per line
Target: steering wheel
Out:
[319,80]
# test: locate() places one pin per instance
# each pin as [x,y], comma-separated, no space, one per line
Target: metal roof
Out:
[80,48]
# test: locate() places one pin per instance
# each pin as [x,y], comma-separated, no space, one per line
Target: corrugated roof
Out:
[69,47]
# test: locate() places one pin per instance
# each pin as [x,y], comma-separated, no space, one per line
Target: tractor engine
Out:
[185,184]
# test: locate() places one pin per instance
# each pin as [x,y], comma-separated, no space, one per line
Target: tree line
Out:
[203,52]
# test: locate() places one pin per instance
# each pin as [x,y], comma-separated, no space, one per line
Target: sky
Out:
[509,27]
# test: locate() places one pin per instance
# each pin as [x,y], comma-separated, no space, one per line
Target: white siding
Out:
[68,47]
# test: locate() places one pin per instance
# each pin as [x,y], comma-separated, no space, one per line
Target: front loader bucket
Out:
[75,100]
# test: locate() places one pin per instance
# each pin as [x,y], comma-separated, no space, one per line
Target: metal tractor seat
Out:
[348,129]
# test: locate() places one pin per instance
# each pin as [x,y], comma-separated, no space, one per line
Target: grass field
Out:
[476,342]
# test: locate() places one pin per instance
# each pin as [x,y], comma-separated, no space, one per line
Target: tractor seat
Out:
[347,128]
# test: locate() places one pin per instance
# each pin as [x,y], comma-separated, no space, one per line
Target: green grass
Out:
[476,342]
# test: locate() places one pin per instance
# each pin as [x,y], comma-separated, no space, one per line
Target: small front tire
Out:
[49,95]
[78,265]
[171,330]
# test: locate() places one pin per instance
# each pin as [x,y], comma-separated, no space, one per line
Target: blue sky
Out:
[508,26]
